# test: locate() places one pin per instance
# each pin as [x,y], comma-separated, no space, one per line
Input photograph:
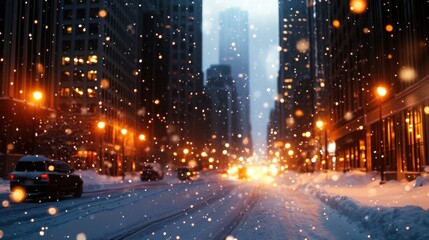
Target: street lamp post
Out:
[101,125]
[322,126]
[142,138]
[381,92]
[37,96]
[123,132]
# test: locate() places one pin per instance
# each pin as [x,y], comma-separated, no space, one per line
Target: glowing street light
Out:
[321,125]
[101,125]
[37,97]
[381,92]
[123,132]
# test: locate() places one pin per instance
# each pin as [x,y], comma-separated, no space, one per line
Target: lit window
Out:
[65,61]
[92,60]
[78,92]
[92,75]
[65,92]
[91,93]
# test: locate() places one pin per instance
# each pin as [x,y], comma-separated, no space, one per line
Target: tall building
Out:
[153,83]
[182,23]
[384,45]
[234,51]
[294,105]
[222,93]
[97,81]
[27,64]
[319,58]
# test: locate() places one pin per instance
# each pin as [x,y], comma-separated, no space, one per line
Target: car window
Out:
[30,167]
[62,167]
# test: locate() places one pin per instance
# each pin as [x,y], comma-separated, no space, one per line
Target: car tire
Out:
[54,195]
[78,191]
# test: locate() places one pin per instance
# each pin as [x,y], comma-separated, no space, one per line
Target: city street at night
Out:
[214,119]
[288,206]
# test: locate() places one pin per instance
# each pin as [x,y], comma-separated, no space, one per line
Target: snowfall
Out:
[325,205]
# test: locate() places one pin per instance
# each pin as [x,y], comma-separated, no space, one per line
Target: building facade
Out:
[294,107]
[386,45]
[27,65]
[97,82]
[182,30]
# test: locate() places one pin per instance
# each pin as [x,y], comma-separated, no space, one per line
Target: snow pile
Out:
[361,198]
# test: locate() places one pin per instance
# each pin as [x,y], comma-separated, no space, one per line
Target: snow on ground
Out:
[394,210]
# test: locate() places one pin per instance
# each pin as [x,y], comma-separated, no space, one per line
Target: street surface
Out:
[211,207]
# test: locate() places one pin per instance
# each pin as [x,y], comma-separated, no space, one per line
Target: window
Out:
[79,45]
[80,14]
[92,44]
[65,76]
[65,60]
[67,30]
[66,45]
[77,92]
[78,75]
[92,93]
[80,29]
[92,60]
[92,75]
[65,92]
[68,14]
[78,60]
[93,29]
[93,13]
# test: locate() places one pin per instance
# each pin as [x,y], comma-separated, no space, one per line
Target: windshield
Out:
[30,167]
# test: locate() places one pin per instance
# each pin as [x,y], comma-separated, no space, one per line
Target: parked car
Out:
[39,176]
[186,173]
[151,172]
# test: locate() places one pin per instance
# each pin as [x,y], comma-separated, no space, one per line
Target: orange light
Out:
[389,28]
[101,125]
[124,131]
[358,6]
[37,95]
[142,137]
[381,91]
[18,195]
[336,23]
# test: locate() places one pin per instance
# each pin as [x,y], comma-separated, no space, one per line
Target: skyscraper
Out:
[182,31]
[294,106]
[97,77]
[222,93]
[234,51]
[27,64]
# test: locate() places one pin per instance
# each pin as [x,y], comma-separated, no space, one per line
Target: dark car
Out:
[39,176]
[151,172]
[186,173]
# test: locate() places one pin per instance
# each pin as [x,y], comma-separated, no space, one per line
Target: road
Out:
[211,207]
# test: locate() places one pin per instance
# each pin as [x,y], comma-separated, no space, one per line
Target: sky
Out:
[263,38]
[351,205]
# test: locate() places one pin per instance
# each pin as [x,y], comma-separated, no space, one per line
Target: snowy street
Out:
[210,207]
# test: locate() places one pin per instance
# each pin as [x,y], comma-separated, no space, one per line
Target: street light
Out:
[123,132]
[381,92]
[321,125]
[142,138]
[101,125]
[37,97]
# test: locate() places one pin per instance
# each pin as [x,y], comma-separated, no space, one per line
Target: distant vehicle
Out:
[37,176]
[186,173]
[242,173]
[151,172]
